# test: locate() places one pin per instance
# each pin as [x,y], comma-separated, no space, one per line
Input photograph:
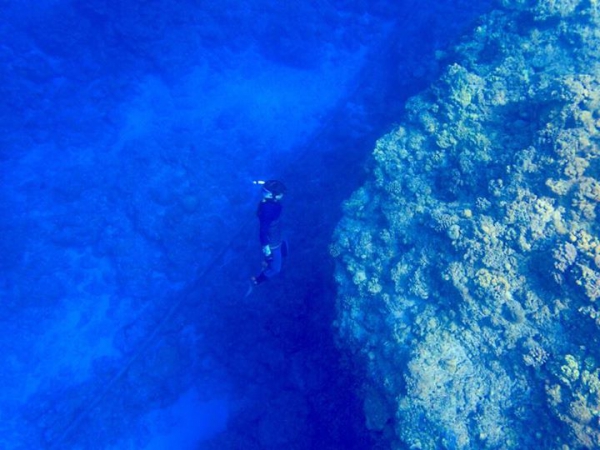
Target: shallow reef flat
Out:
[469,262]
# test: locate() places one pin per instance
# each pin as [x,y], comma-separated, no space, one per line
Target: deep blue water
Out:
[130,136]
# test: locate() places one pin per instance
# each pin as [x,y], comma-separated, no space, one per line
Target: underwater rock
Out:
[469,262]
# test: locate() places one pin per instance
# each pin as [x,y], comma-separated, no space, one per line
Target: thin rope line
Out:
[144,346]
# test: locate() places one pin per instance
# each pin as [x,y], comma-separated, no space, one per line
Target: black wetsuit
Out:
[269,212]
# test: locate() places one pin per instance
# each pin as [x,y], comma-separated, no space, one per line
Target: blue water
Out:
[130,136]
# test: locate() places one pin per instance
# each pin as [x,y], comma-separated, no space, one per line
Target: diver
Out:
[274,248]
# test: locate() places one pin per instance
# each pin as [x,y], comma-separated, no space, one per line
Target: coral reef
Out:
[469,262]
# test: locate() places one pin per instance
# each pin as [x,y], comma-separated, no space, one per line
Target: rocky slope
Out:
[469,262]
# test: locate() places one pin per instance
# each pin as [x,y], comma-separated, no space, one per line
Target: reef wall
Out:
[469,262]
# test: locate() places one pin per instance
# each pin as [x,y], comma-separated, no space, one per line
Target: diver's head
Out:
[273,190]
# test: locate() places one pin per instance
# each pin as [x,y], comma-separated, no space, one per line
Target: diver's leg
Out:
[272,269]
[274,266]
